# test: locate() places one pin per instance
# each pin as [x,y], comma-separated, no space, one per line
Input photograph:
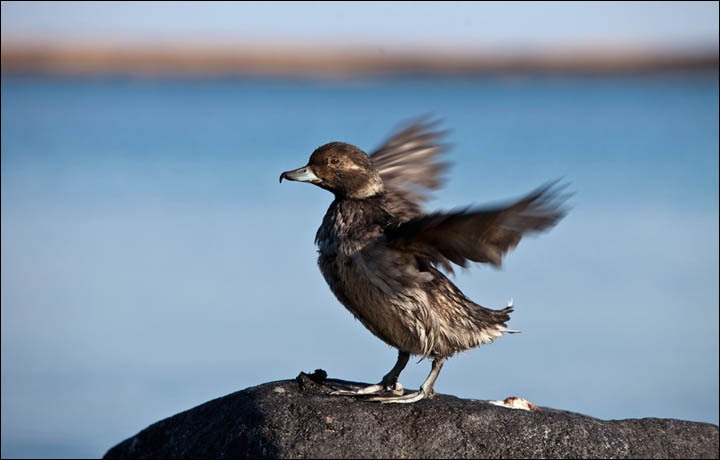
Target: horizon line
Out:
[196,59]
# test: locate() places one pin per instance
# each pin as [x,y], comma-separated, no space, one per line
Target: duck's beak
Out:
[304,174]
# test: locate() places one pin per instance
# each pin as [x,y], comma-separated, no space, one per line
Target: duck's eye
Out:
[334,161]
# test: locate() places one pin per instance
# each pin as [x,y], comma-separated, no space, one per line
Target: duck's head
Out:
[340,168]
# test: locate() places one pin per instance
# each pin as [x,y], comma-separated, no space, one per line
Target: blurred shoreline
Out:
[326,62]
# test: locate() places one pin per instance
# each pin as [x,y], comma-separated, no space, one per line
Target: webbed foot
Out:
[379,388]
[408,398]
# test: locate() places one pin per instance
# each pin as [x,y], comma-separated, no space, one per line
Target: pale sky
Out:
[488,25]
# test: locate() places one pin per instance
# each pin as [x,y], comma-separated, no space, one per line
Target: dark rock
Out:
[298,419]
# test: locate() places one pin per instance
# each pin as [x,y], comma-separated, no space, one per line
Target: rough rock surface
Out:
[297,419]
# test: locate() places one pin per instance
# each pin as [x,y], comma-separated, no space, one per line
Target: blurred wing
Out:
[479,235]
[409,167]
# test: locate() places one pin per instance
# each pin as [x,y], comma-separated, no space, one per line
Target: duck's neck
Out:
[372,187]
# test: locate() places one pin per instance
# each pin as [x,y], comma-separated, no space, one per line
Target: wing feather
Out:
[478,235]
[409,166]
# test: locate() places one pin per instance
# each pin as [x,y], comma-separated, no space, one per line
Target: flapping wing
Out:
[478,235]
[409,164]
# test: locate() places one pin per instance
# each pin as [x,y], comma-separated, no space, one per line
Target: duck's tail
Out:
[504,316]
[490,324]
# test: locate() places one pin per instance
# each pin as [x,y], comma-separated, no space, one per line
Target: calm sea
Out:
[151,261]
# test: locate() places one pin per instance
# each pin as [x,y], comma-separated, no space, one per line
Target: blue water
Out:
[151,261]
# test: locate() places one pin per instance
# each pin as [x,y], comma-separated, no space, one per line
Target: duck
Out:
[383,256]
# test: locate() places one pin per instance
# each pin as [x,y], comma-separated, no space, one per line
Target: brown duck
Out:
[380,253]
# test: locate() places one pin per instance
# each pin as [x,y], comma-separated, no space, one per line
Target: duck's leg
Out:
[426,390]
[388,383]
